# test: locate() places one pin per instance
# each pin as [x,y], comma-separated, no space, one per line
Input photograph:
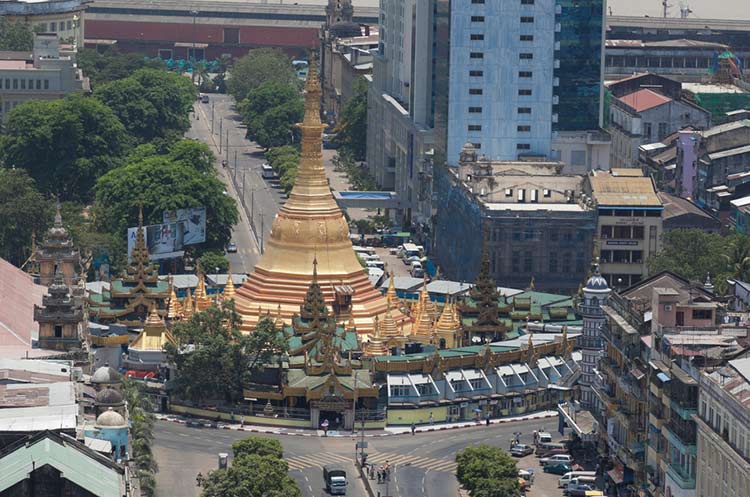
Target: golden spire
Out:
[200,287]
[175,308]
[153,320]
[446,323]
[531,283]
[188,308]
[391,294]
[376,346]
[389,329]
[229,291]
[279,321]
[139,256]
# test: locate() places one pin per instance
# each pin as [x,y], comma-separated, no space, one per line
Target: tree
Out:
[65,145]
[250,476]
[158,184]
[142,437]
[484,470]
[351,131]
[172,95]
[271,112]
[210,260]
[23,211]
[15,35]
[261,446]
[127,99]
[110,65]
[694,254]
[194,153]
[259,66]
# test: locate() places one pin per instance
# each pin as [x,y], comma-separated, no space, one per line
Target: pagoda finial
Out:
[140,250]
[174,311]
[140,216]
[531,283]
[188,308]
[229,291]
[58,215]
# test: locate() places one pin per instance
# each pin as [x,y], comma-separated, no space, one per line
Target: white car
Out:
[556,459]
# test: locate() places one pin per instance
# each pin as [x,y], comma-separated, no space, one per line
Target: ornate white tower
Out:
[595,295]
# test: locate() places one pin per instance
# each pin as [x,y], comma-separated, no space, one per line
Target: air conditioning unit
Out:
[668,307]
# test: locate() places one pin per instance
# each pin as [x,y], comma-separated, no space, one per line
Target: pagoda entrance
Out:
[337,412]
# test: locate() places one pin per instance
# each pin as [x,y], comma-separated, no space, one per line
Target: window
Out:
[509,192]
[524,74]
[516,260]
[527,37]
[527,2]
[528,265]
[58,331]
[476,74]
[477,18]
[703,314]
[69,25]
[477,145]
[525,92]
[23,84]
[526,56]
[524,110]
[553,262]
[46,84]
[52,27]
[527,19]
[477,1]
[547,193]
[523,129]
[647,131]
[232,35]
[7,83]
[475,127]
[523,146]
[477,383]
[475,110]
[15,84]
[662,131]
[475,91]
[638,232]
[578,157]
[476,55]
[400,390]
[424,389]
[477,37]
[38,84]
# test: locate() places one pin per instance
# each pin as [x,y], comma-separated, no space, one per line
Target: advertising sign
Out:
[193,221]
[164,241]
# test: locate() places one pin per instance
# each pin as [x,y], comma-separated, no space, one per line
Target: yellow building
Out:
[310,226]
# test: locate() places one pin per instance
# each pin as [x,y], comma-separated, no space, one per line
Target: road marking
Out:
[434,464]
[316,460]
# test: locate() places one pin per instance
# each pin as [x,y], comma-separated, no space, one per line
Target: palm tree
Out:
[738,258]
[141,436]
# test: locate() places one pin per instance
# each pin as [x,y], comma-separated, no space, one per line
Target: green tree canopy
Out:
[141,436]
[172,95]
[694,254]
[271,112]
[159,183]
[195,153]
[483,468]
[261,446]
[212,259]
[15,35]
[110,65]
[23,211]
[251,476]
[65,145]
[127,99]
[351,131]
[259,66]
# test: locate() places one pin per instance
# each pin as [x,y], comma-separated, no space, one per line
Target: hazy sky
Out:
[711,9]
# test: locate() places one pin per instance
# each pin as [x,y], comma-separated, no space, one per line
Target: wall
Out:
[417,416]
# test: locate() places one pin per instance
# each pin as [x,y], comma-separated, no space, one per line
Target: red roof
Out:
[644,99]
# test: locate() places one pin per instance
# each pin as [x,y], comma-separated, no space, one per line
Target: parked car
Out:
[204,98]
[557,468]
[543,448]
[568,477]
[551,452]
[521,450]
[232,248]
[557,458]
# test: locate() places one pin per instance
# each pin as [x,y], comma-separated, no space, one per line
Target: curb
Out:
[313,433]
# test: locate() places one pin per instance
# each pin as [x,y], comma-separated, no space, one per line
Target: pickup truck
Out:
[335,479]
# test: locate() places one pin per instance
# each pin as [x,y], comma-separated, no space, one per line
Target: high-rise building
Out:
[515,78]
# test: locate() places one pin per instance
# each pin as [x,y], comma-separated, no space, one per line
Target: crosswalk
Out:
[318,460]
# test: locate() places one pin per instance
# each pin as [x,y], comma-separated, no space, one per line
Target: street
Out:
[423,465]
[244,159]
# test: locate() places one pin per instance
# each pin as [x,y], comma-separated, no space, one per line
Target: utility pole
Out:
[261,233]
[227,147]
[243,186]
[192,64]
[212,117]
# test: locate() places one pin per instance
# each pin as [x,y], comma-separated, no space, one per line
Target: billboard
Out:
[164,241]
[193,222]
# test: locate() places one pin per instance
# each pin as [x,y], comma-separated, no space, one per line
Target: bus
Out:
[267,172]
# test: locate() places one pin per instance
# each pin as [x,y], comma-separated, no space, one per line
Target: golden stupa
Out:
[310,225]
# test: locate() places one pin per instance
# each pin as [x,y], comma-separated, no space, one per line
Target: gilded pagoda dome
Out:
[110,419]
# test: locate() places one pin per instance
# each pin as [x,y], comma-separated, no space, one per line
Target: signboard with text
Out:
[193,222]
[164,241]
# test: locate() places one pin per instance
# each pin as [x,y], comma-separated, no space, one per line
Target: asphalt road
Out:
[244,159]
[423,465]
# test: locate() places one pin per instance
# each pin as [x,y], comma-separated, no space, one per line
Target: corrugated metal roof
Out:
[18,295]
[611,190]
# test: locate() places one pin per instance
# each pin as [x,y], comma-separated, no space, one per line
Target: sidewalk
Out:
[389,431]
[340,183]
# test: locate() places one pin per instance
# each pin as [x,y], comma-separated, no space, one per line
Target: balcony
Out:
[680,476]
[685,410]
[681,439]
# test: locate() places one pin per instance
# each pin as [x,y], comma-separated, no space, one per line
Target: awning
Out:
[616,476]
[637,373]
[663,377]
[189,44]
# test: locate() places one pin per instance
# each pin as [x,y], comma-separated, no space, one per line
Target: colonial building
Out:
[537,218]
[130,297]
[629,224]
[310,226]
[61,318]
[595,295]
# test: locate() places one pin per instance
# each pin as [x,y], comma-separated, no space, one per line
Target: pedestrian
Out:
[487,418]
[536,437]
[338,421]
[413,429]
[242,420]
[324,425]
[432,418]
